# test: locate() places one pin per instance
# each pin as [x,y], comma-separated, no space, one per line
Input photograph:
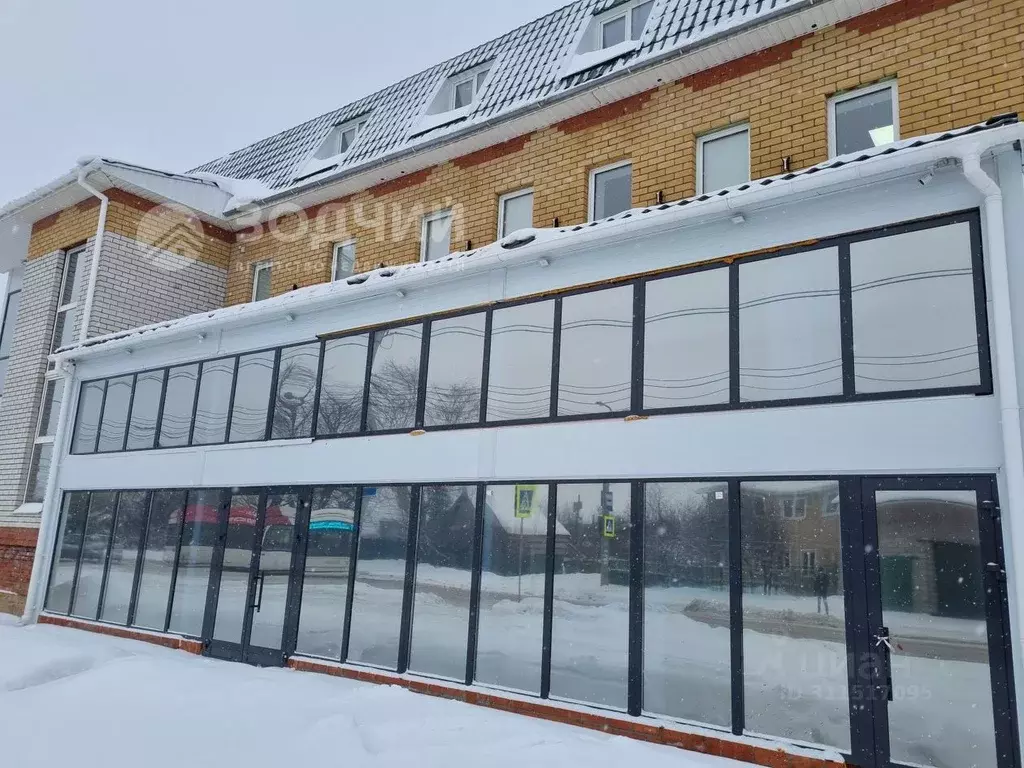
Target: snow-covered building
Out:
[692,450]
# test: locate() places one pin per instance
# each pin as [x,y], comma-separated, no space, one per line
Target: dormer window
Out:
[624,23]
[340,139]
[455,98]
[609,34]
[465,90]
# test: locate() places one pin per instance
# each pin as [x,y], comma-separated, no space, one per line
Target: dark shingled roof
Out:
[529,63]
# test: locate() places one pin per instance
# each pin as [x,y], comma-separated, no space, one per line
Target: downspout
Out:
[97,248]
[45,540]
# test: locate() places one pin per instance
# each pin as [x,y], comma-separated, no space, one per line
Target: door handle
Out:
[259,592]
[883,641]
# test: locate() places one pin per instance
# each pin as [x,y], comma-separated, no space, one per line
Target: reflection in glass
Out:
[725,160]
[519,384]
[296,391]
[274,569]
[794,635]
[87,425]
[325,582]
[687,659]
[124,555]
[511,624]
[865,121]
[594,369]
[380,576]
[394,378]
[94,554]
[444,565]
[198,538]
[115,414]
[933,603]
[789,327]
[686,340]
[158,563]
[65,558]
[914,321]
[213,402]
[233,591]
[455,370]
[590,620]
[145,404]
[252,397]
[179,398]
[341,386]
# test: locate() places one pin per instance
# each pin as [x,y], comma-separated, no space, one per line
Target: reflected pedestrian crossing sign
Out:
[609,527]
[525,495]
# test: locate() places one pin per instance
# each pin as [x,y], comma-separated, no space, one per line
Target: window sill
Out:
[581,62]
[430,122]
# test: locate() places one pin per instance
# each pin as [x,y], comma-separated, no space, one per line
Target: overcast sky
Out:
[172,85]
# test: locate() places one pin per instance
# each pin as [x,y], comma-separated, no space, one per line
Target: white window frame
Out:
[63,309]
[471,79]
[508,196]
[591,203]
[256,269]
[50,377]
[424,228]
[708,138]
[894,97]
[338,247]
[7,325]
[625,12]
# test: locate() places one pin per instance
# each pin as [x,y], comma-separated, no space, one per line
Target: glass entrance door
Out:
[935,624]
[251,601]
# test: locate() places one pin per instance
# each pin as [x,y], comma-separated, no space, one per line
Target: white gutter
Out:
[1006,370]
[97,247]
[49,516]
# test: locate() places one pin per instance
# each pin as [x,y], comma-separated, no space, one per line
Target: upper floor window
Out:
[67,306]
[261,281]
[455,97]
[344,260]
[436,237]
[723,159]
[340,139]
[863,119]
[623,23]
[515,212]
[611,190]
[7,322]
[466,88]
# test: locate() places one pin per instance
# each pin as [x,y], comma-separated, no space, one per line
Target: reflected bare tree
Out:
[293,408]
[457,403]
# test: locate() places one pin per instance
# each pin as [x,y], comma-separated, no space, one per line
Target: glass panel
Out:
[296,391]
[235,572]
[725,161]
[519,385]
[394,379]
[158,559]
[463,93]
[511,624]
[438,238]
[864,122]
[142,428]
[794,633]
[325,584]
[640,15]
[73,265]
[9,320]
[594,370]
[613,32]
[65,328]
[124,554]
[213,402]
[444,570]
[613,191]
[178,401]
[261,284]
[687,662]
[914,319]
[686,340]
[50,409]
[789,327]
[252,397]
[344,260]
[516,213]
[341,386]
[94,554]
[933,602]
[455,370]
[590,620]
[39,472]
[89,404]
[65,558]
[198,538]
[115,413]
[275,567]
[380,576]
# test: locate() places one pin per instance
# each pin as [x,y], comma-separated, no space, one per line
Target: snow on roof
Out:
[526,245]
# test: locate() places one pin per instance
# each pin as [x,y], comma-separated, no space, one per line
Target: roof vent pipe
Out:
[97,248]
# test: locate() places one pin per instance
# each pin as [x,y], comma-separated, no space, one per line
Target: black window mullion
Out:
[474,589]
[316,392]
[635,697]
[364,416]
[231,399]
[734,334]
[99,420]
[128,418]
[353,558]
[980,305]
[160,409]
[736,606]
[846,319]
[405,634]
[177,558]
[272,405]
[556,354]
[195,402]
[421,387]
[133,601]
[297,577]
[106,559]
[639,332]
[549,596]
[485,377]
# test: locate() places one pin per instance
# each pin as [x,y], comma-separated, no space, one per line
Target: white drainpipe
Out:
[1006,371]
[97,248]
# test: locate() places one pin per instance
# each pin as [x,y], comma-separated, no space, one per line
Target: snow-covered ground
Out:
[75,698]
